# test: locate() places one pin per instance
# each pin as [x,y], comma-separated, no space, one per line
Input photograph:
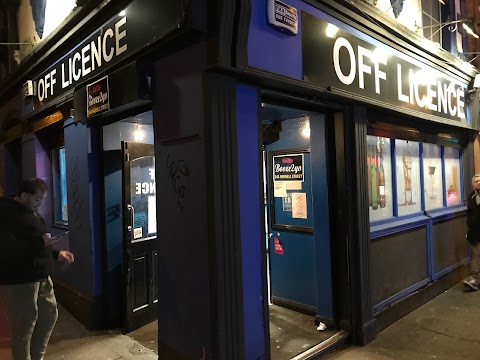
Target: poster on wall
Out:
[432,176]
[287,202]
[408,176]
[98,98]
[288,167]
[299,205]
[452,176]
[379,178]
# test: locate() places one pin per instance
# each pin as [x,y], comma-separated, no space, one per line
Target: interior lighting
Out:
[138,134]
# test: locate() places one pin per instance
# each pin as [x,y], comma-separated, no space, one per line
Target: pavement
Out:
[70,340]
[446,328]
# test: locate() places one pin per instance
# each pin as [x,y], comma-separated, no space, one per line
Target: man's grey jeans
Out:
[32,314]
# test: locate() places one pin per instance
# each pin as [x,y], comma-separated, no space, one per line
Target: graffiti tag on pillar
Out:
[178,171]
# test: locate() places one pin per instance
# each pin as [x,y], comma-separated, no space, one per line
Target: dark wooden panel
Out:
[398,262]
[140,278]
[449,243]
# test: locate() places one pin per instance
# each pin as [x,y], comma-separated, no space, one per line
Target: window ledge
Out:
[446,213]
[397,225]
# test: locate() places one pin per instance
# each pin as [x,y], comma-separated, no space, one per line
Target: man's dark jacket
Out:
[473,219]
[24,258]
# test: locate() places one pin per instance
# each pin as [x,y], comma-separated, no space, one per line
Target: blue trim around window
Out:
[393,226]
[444,180]
[422,179]
[393,156]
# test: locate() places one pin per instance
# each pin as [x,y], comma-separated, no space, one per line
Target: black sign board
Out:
[98,97]
[288,167]
[140,24]
[365,68]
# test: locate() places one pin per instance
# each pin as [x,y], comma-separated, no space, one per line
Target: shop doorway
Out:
[297,226]
[130,226]
[140,234]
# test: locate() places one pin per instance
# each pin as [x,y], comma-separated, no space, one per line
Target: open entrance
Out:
[131,227]
[301,309]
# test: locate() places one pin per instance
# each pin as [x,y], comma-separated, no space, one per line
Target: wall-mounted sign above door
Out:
[98,98]
[282,16]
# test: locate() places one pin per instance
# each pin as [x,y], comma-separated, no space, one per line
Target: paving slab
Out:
[445,328]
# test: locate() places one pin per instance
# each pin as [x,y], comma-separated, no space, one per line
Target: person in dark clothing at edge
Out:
[473,234]
[26,261]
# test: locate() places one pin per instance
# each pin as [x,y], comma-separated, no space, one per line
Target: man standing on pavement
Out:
[473,234]
[26,261]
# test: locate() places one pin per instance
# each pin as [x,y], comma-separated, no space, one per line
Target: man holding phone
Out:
[26,261]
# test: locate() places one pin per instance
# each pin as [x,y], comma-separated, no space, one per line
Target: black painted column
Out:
[364,329]
[200,313]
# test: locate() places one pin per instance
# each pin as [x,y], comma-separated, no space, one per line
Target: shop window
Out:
[59,186]
[452,176]
[407,177]
[379,173]
[432,176]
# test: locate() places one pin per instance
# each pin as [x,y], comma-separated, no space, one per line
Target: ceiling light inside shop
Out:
[138,134]
[306,130]
[122,13]
[331,30]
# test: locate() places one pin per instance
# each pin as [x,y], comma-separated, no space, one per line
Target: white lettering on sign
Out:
[109,44]
[45,84]
[421,87]
[100,98]
[288,168]
[146,187]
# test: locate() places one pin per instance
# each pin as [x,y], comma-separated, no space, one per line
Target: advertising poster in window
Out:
[432,176]
[288,167]
[379,178]
[408,177]
[452,176]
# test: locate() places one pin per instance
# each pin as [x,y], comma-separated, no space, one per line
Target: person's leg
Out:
[475,264]
[473,281]
[22,315]
[47,317]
